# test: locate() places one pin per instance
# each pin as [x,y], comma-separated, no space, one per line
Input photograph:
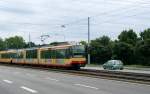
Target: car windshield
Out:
[115,62]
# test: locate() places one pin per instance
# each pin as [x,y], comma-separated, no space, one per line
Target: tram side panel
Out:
[54,57]
[62,57]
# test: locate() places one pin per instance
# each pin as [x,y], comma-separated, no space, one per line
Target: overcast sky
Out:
[45,17]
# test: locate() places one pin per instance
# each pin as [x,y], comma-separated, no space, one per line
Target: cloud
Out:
[21,17]
[16,8]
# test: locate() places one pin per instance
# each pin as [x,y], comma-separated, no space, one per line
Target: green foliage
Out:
[145,35]
[100,50]
[30,44]
[128,36]
[2,44]
[129,48]
[142,52]
[105,40]
[124,52]
[83,43]
[15,42]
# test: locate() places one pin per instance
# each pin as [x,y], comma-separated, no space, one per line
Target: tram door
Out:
[53,56]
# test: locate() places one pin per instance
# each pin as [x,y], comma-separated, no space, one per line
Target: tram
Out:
[69,56]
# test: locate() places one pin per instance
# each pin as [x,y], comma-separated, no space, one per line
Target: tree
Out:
[30,44]
[15,42]
[83,43]
[105,40]
[100,50]
[123,51]
[2,44]
[145,35]
[142,52]
[128,36]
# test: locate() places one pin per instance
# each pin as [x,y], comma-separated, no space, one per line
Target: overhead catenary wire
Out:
[124,9]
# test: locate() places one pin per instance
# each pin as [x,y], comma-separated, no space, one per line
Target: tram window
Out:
[68,53]
[53,55]
[61,53]
[8,55]
[78,51]
[31,54]
[46,54]
[12,55]
[4,55]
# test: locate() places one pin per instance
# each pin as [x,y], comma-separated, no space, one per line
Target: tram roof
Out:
[42,47]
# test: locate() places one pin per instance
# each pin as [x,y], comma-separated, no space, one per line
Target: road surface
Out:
[15,80]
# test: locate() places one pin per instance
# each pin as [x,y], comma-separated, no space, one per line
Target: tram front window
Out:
[78,51]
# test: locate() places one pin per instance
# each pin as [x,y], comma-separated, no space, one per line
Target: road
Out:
[15,80]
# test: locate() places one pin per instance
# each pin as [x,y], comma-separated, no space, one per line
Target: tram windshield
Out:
[78,51]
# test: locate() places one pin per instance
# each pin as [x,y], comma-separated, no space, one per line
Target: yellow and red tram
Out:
[72,56]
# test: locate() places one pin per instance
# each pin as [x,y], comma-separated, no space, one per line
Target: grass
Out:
[137,66]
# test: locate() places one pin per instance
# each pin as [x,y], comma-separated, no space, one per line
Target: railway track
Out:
[117,75]
[105,74]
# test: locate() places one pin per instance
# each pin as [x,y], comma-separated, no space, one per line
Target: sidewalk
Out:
[126,69]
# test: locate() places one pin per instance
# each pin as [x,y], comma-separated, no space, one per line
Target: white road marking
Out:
[87,86]
[8,81]
[28,89]
[52,79]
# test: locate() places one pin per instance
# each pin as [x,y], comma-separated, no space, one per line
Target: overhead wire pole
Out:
[29,41]
[89,40]
[63,26]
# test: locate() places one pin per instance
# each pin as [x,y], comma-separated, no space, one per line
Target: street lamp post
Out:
[29,41]
[89,40]
[63,26]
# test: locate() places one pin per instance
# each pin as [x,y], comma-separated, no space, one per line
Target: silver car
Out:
[113,65]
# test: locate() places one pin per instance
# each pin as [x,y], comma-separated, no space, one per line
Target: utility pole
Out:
[88,40]
[63,27]
[29,41]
